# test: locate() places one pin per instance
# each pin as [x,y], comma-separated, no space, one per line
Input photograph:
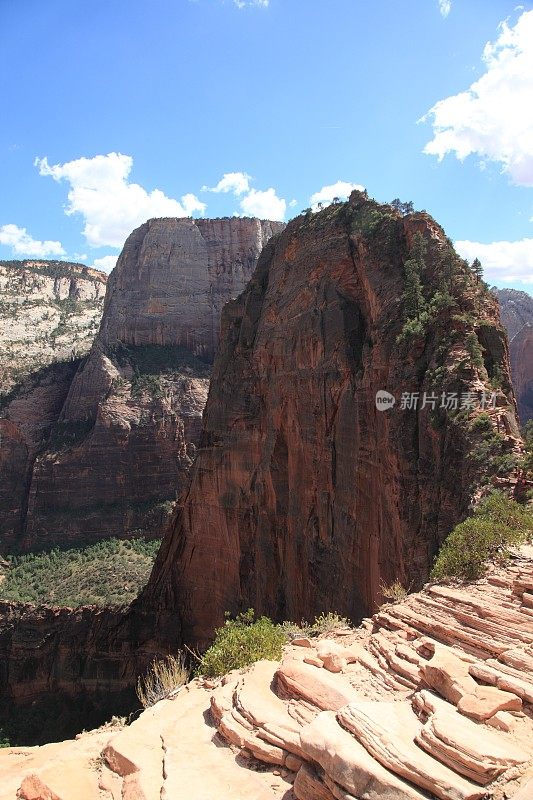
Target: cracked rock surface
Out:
[391,724]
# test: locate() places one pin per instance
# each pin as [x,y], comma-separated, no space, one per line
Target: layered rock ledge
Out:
[432,697]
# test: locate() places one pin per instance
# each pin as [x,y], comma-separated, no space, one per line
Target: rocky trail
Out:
[430,698]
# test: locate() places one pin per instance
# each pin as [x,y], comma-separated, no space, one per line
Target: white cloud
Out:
[105,263]
[503,262]
[234,182]
[265,205]
[445,6]
[256,3]
[494,117]
[22,244]
[253,202]
[341,189]
[110,205]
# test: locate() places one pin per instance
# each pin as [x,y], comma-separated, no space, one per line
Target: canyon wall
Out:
[112,451]
[517,316]
[521,347]
[49,312]
[304,496]
[516,309]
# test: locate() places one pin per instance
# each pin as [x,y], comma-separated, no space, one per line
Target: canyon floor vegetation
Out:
[111,572]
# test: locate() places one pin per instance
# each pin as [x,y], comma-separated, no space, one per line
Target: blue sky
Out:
[117,111]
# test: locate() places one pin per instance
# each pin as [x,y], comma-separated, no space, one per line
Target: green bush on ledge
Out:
[240,642]
[497,525]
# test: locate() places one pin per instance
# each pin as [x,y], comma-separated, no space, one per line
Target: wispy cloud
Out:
[110,205]
[445,6]
[22,244]
[256,3]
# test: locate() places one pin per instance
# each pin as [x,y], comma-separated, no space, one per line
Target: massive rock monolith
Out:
[305,496]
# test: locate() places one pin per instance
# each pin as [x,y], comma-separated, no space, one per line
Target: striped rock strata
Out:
[430,698]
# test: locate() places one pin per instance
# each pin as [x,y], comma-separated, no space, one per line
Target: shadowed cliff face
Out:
[115,454]
[521,347]
[304,497]
[517,316]
[516,309]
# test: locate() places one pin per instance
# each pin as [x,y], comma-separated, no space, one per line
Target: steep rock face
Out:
[304,497]
[521,347]
[49,312]
[516,309]
[174,277]
[117,454]
[517,316]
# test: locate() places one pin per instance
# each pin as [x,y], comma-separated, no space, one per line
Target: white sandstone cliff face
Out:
[49,312]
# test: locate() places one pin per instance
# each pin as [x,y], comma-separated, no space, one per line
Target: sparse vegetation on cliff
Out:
[240,642]
[497,525]
[162,678]
[111,572]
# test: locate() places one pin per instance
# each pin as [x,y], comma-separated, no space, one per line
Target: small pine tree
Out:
[403,208]
[477,269]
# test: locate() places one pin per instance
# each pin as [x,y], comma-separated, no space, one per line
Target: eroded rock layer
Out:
[115,453]
[49,312]
[430,698]
[305,496]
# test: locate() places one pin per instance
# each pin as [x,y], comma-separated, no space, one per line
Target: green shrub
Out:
[497,525]
[240,642]
[4,741]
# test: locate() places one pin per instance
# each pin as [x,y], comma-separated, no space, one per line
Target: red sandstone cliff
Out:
[115,444]
[304,497]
